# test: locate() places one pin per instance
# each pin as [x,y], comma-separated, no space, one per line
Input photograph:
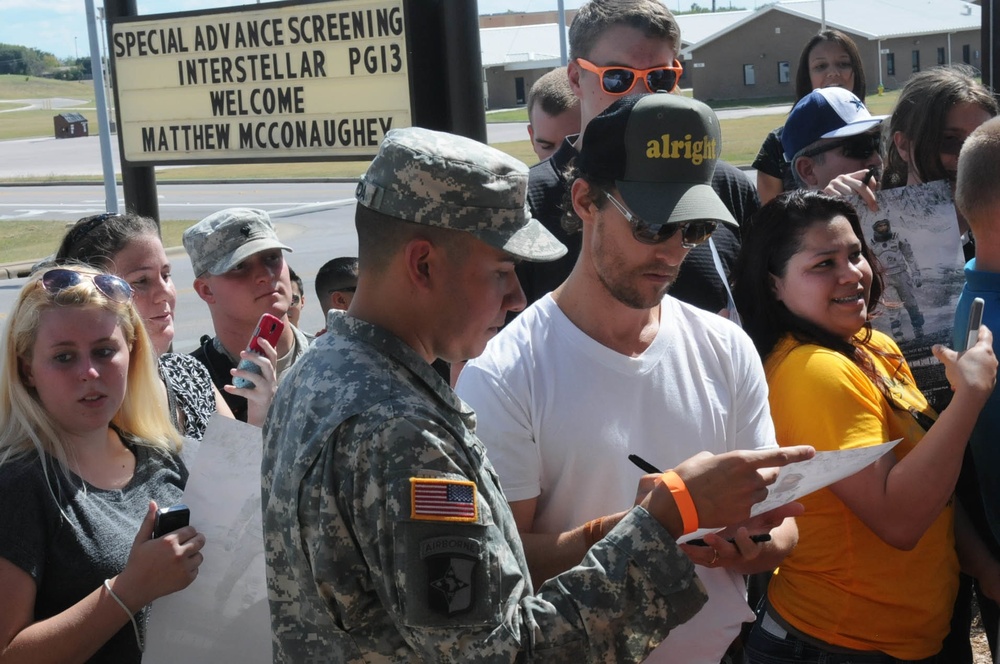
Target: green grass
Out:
[509,115]
[29,87]
[30,124]
[30,240]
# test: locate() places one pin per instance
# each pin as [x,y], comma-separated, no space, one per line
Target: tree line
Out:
[27,61]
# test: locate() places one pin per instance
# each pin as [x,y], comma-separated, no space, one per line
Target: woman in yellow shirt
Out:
[875,572]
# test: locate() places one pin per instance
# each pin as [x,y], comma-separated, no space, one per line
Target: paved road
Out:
[316,234]
[176,200]
[41,104]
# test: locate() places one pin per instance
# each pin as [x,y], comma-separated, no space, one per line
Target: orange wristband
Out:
[593,531]
[679,491]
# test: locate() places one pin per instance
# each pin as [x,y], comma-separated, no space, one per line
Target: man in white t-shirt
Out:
[608,365]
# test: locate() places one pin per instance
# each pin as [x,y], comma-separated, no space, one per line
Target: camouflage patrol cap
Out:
[220,241]
[448,181]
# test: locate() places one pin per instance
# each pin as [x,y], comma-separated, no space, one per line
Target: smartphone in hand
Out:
[268,327]
[169,519]
[975,320]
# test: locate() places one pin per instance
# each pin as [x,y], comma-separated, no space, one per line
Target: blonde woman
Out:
[87,452]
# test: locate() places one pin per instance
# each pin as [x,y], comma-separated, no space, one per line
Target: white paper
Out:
[223,616]
[799,479]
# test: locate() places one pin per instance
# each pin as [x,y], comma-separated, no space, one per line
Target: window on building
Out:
[749,77]
[941,60]
[784,72]
[916,61]
[890,64]
[519,90]
[966,55]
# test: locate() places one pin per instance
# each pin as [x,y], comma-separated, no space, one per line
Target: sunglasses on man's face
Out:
[859,146]
[693,233]
[618,80]
[112,287]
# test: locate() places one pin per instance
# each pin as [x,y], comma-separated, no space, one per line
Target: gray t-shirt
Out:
[70,556]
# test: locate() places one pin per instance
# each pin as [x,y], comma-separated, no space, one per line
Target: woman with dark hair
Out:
[936,111]
[829,59]
[875,572]
[129,246]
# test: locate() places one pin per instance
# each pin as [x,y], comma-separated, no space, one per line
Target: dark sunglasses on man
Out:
[693,232]
[859,146]
[619,80]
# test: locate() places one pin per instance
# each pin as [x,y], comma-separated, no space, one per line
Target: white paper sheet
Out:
[799,479]
[223,616]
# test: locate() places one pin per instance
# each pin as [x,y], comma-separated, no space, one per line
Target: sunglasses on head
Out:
[114,288]
[859,146]
[693,233]
[619,80]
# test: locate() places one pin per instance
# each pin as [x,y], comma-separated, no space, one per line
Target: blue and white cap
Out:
[825,113]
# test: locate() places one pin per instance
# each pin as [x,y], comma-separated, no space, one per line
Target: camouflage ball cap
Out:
[222,240]
[448,181]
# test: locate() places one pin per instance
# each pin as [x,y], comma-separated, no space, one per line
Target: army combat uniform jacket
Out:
[388,538]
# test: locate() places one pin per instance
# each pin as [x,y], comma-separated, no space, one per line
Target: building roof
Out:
[874,19]
[537,45]
[521,47]
[696,27]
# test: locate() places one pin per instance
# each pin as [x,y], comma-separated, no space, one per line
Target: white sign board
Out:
[320,80]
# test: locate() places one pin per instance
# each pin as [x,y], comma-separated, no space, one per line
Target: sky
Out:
[60,26]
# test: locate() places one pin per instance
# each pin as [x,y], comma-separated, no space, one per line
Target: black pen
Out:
[753,538]
[643,464]
[871,174]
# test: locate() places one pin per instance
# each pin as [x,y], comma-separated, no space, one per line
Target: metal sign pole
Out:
[138,182]
[103,126]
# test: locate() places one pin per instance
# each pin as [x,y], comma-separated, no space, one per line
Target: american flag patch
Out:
[443,500]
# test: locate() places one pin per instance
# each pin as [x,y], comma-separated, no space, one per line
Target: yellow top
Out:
[842,584]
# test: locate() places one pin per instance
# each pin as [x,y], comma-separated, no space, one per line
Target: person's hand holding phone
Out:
[972,372]
[256,376]
[158,566]
[263,384]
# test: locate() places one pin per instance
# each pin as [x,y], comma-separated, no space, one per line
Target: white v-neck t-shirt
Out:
[559,414]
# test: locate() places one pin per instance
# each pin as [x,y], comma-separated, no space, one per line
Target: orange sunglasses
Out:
[619,80]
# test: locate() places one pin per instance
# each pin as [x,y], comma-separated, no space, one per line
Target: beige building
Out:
[753,54]
[757,56]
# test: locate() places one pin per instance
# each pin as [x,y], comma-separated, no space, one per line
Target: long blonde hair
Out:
[27,428]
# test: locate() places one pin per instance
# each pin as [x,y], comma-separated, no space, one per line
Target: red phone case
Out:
[268,327]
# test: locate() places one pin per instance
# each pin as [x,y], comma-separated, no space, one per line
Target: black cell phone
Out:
[975,320]
[169,519]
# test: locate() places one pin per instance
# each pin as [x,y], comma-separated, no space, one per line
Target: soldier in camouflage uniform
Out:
[386,533]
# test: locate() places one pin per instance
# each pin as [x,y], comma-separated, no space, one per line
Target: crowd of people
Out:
[446,469]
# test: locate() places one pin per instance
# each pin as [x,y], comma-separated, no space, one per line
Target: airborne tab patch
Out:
[443,500]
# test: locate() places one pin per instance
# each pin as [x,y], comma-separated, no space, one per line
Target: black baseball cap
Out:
[660,150]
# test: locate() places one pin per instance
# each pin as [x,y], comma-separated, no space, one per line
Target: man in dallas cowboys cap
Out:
[834,144]
[609,363]
[386,535]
